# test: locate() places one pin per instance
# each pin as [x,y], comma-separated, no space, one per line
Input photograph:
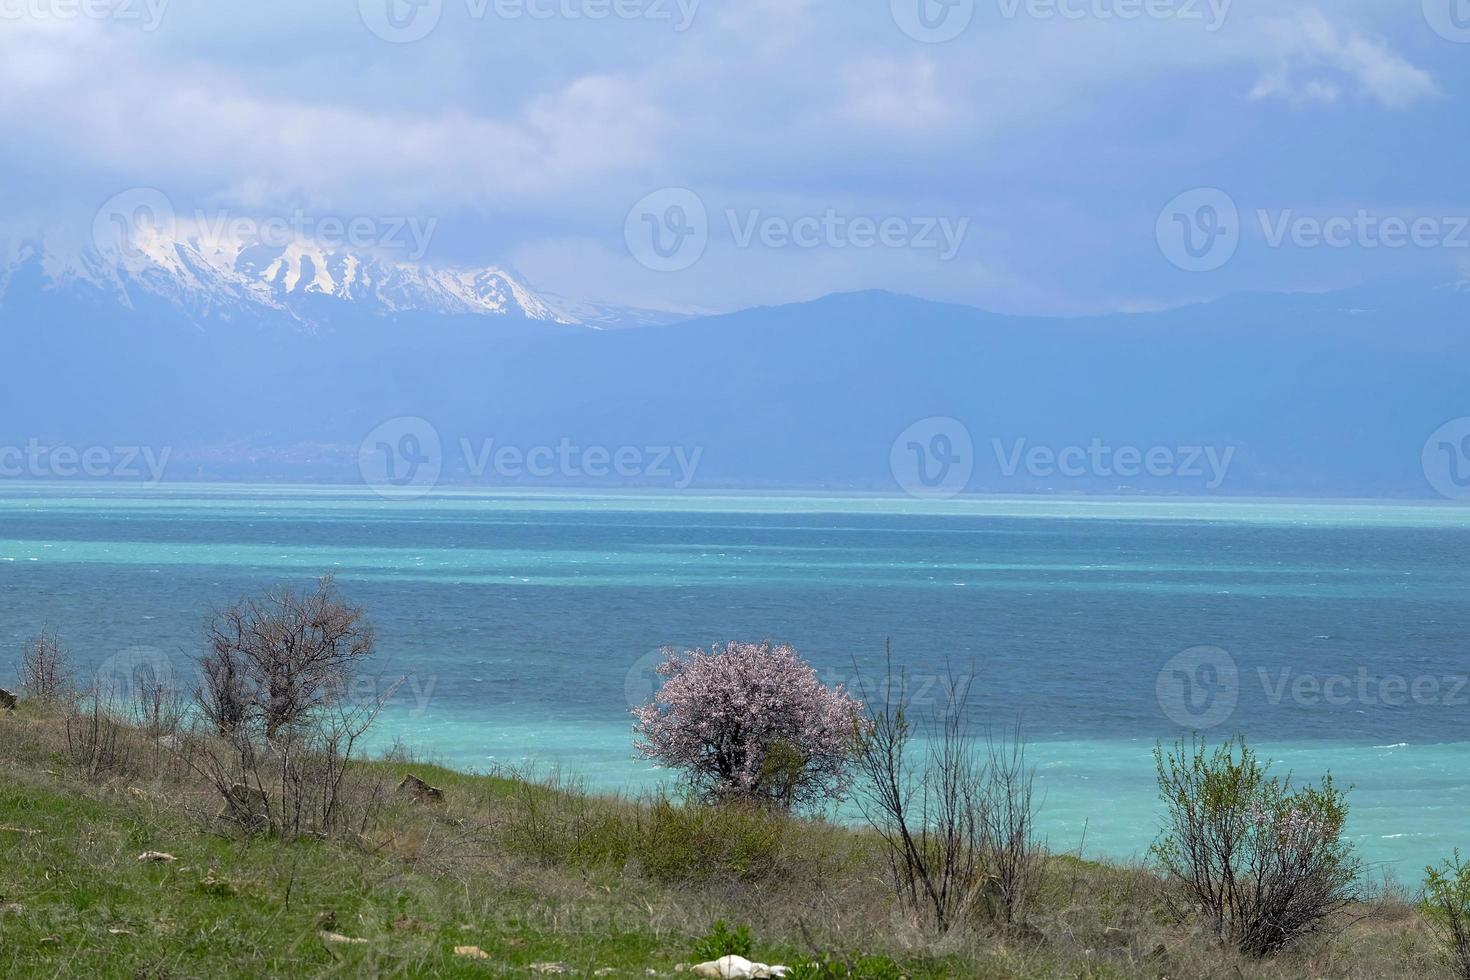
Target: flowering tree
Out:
[751,722]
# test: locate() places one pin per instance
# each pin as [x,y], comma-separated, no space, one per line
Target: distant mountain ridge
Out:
[209,279]
[1342,394]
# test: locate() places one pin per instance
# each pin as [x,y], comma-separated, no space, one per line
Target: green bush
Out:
[552,821]
[1447,907]
[1266,863]
[722,941]
[664,839]
[690,841]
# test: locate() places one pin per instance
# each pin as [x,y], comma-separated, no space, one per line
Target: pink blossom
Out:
[751,722]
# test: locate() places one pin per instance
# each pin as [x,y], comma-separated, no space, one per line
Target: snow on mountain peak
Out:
[208,274]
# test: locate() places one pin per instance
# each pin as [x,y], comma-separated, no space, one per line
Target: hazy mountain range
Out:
[227,280]
[264,363]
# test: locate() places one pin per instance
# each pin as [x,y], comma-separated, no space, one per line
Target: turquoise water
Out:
[528,623]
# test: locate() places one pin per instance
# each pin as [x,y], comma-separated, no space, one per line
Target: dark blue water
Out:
[1335,634]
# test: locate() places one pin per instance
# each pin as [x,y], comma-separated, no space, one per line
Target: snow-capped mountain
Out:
[228,280]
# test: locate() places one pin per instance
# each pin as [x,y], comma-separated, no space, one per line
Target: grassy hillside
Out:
[541,880]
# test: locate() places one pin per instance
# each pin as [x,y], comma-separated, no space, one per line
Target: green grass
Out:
[534,873]
[257,907]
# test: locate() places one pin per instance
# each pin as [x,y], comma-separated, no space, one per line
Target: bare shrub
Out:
[1013,854]
[282,735]
[155,705]
[300,780]
[96,740]
[273,661]
[46,671]
[957,816]
[1265,863]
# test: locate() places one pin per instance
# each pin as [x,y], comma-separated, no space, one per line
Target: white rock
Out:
[156,856]
[726,968]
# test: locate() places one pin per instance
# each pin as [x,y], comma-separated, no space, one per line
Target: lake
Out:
[1333,635]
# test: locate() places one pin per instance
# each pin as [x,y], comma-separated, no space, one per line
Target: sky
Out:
[1054,157]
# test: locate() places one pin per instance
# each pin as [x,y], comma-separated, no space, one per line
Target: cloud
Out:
[146,121]
[887,94]
[1313,54]
[530,137]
